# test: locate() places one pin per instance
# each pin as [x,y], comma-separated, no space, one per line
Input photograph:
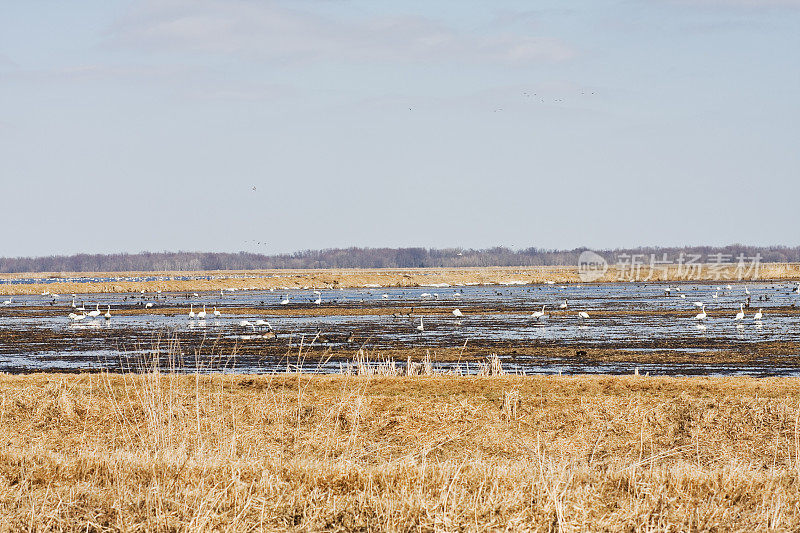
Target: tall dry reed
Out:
[165,451]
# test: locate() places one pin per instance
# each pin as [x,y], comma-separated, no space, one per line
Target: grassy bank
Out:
[173,452]
[410,277]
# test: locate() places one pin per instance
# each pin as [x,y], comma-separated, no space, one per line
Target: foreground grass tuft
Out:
[341,453]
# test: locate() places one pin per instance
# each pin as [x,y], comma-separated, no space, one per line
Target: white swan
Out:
[457,312]
[538,314]
[702,314]
[421,327]
[699,304]
[285,301]
[759,315]
[318,301]
[96,311]
[216,313]
[583,314]
[191,311]
[74,316]
[564,305]
[202,314]
[108,312]
[740,314]
[7,302]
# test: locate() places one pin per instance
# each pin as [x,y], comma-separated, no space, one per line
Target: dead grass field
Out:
[347,278]
[169,452]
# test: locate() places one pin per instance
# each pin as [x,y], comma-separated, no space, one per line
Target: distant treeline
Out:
[373,258]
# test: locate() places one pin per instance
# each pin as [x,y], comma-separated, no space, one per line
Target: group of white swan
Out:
[201,315]
[702,315]
[260,323]
[91,314]
[563,305]
[538,314]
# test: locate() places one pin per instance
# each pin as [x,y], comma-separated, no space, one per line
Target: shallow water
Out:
[626,316]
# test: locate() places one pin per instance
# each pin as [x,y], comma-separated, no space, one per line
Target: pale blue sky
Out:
[145,125]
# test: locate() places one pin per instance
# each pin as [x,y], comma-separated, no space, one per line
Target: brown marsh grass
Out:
[408,277]
[174,452]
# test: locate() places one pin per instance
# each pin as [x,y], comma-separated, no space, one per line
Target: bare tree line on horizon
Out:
[415,257]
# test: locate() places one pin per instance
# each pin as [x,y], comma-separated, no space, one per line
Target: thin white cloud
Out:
[267,30]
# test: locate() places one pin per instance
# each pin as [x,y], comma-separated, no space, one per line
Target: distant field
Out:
[427,453]
[346,278]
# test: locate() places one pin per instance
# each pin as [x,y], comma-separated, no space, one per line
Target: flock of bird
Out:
[702,315]
[91,314]
[201,315]
[80,313]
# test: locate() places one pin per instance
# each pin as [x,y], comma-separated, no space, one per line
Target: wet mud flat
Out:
[629,327]
[98,346]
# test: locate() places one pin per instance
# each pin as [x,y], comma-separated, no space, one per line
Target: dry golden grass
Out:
[170,452]
[409,277]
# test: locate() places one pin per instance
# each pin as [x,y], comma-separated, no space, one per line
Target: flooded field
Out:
[650,327]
